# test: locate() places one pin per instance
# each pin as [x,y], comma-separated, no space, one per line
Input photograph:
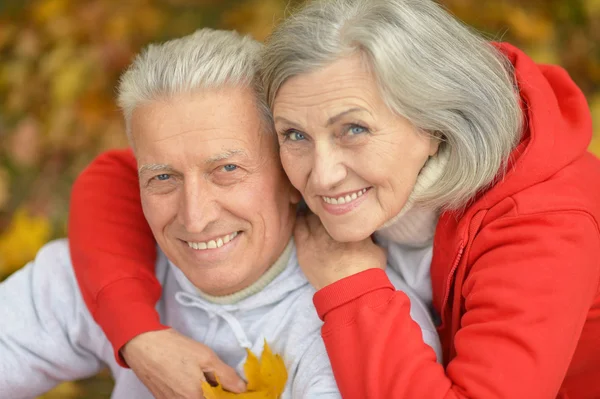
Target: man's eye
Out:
[163,177]
[229,168]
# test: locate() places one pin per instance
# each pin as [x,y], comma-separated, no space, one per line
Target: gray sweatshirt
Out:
[48,336]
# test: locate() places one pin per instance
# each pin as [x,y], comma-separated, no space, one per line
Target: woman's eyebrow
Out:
[286,121]
[337,117]
[330,121]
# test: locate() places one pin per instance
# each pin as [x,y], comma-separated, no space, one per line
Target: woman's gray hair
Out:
[206,59]
[430,69]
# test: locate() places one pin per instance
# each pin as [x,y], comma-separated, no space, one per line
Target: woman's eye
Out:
[295,136]
[229,168]
[356,129]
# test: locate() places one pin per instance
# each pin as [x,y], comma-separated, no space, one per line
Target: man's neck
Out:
[269,275]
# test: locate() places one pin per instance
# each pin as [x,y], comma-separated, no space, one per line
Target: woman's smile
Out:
[340,204]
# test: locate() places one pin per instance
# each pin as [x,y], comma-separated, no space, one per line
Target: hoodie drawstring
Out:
[189,300]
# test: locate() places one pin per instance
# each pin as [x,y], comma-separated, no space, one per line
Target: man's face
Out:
[212,187]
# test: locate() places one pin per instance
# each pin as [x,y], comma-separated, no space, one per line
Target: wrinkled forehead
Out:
[213,124]
[343,83]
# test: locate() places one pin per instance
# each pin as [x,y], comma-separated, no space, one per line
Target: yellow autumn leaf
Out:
[15,73]
[70,81]
[595,146]
[266,378]
[7,34]
[149,19]
[543,53]
[252,372]
[530,26]
[592,7]
[22,239]
[272,371]
[4,188]
[53,60]
[66,390]
[594,102]
[254,17]
[46,10]
[118,27]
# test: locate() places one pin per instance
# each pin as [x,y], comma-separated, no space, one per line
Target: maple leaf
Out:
[266,378]
[66,390]
[22,239]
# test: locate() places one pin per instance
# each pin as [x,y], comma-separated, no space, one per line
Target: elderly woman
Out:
[468,163]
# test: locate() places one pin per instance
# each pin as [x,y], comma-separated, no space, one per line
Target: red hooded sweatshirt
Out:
[515,276]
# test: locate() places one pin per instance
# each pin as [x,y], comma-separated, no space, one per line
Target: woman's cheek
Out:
[295,169]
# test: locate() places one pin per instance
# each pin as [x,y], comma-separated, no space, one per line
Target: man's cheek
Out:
[156,212]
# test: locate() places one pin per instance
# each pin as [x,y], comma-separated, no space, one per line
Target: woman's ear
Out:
[435,139]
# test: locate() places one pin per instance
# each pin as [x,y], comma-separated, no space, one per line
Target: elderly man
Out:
[222,213]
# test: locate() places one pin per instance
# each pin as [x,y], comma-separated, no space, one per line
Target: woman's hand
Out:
[325,261]
[173,366]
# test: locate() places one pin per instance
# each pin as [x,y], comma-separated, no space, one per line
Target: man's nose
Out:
[198,207]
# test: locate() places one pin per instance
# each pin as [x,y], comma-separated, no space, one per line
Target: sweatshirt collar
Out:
[271,274]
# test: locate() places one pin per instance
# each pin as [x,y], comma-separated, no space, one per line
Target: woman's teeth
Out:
[212,244]
[345,199]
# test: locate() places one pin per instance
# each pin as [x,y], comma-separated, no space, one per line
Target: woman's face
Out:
[353,159]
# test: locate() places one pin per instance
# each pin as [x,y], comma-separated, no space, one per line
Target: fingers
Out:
[214,368]
[226,376]
[309,226]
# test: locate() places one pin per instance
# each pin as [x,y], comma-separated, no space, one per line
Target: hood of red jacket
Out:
[557,128]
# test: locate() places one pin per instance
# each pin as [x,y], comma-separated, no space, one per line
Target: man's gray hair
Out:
[206,59]
[430,69]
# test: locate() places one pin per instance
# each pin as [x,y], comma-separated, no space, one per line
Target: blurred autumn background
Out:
[60,60]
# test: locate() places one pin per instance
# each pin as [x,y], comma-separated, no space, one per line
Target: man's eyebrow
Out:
[226,155]
[153,167]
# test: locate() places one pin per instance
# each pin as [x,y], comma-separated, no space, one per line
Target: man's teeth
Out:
[345,199]
[212,244]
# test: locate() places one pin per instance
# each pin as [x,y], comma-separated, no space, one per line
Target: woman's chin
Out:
[348,233]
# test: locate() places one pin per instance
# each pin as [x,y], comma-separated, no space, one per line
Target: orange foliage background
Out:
[60,60]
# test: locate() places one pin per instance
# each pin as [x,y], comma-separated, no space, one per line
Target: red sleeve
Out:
[113,250]
[527,295]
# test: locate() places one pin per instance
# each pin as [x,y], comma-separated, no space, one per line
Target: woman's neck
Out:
[415,225]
